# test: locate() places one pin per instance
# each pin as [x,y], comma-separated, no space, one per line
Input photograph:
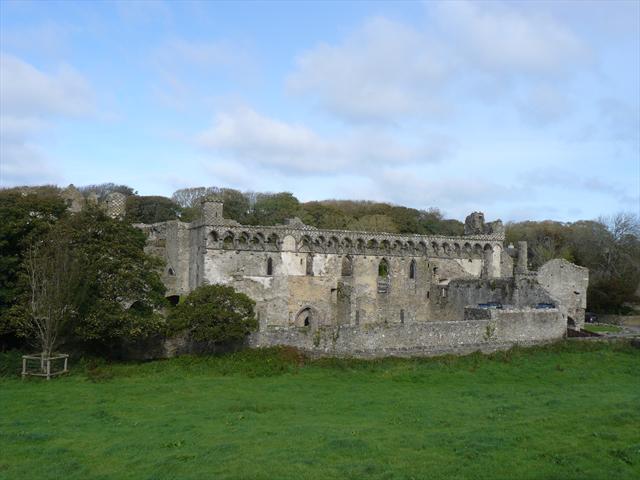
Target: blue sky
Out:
[523,110]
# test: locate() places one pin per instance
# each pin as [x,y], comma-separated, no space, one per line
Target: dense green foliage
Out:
[24,217]
[568,411]
[252,208]
[121,286]
[118,287]
[151,209]
[214,313]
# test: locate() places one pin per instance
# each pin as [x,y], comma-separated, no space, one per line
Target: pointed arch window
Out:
[269,266]
[347,266]
[412,270]
[309,268]
[383,268]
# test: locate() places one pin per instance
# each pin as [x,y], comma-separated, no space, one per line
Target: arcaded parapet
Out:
[567,283]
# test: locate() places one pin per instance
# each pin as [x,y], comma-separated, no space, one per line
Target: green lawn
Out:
[601,328]
[567,411]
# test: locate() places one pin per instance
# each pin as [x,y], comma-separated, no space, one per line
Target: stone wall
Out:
[501,330]
[567,284]
[521,291]
[336,295]
[364,293]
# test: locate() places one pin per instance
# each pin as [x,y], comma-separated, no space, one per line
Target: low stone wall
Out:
[501,330]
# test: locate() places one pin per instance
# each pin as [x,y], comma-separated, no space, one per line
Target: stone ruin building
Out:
[348,293]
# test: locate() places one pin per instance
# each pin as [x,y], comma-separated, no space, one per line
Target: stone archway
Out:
[307,317]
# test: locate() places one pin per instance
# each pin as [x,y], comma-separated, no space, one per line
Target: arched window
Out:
[228,241]
[309,270]
[347,266]
[383,268]
[303,319]
[412,270]
[269,266]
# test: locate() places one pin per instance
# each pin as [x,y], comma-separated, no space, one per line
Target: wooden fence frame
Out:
[45,365]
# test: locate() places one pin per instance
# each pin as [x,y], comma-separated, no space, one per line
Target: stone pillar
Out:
[521,266]
[212,211]
[487,263]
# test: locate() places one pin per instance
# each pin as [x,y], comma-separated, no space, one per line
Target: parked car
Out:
[590,317]
[545,306]
[497,305]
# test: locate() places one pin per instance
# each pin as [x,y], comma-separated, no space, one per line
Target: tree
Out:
[374,223]
[546,240]
[104,189]
[274,208]
[121,290]
[52,276]
[151,209]
[610,248]
[26,214]
[236,204]
[215,313]
[189,197]
[324,216]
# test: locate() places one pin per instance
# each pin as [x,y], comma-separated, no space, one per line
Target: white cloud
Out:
[455,194]
[189,70]
[385,69]
[587,185]
[250,137]
[29,100]
[388,71]
[505,41]
[25,90]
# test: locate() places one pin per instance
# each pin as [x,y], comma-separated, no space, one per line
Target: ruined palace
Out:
[338,292]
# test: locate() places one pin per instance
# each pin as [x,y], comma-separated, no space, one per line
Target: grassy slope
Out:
[565,411]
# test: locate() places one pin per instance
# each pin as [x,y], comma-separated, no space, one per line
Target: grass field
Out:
[602,328]
[566,411]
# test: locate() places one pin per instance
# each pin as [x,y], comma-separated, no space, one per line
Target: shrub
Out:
[214,313]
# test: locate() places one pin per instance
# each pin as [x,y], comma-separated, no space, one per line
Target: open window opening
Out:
[347,266]
[412,270]
[383,268]
[269,266]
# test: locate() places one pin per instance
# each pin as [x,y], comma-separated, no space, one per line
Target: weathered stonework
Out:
[364,293]
[567,284]
[75,200]
[116,204]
